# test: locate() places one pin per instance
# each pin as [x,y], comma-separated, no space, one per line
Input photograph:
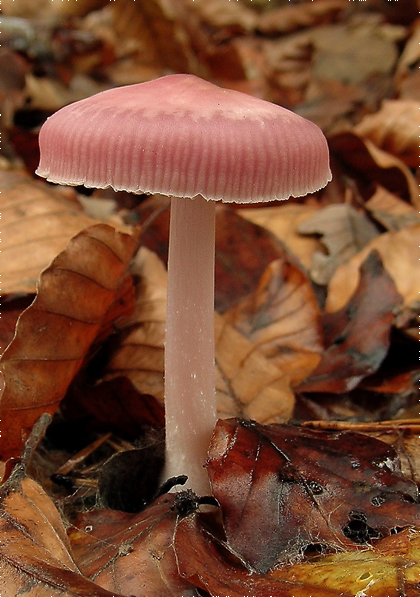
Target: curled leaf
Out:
[54,334]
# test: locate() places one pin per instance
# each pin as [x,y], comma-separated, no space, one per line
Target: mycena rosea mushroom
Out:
[187,138]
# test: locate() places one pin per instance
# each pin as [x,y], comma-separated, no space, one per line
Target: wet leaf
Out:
[295,488]
[358,335]
[389,570]
[281,318]
[344,233]
[53,335]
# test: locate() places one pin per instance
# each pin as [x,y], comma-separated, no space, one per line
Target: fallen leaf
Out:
[54,334]
[289,18]
[407,76]
[138,352]
[37,223]
[370,165]
[289,68]
[358,335]
[35,554]
[355,52]
[294,488]
[391,211]
[243,249]
[344,233]
[391,569]
[394,129]
[247,383]
[281,318]
[283,221]
[210,566]
[386,571]
[131,553]
[399,254]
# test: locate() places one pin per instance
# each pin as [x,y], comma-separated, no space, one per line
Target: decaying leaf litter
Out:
[316,317]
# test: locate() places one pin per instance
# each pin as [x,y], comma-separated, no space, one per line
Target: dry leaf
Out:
[283,221]
[247,384]
[358,336]
[394,129]
[289,18]
[138,353]
[54,334]
[204,562]
[344,232]
[407,76]
[37,223]
[281,318]
[370,165]
[399,254]
[288,65]
[35,554]
[390,211]
[354,52]
[392,569]
[131,553]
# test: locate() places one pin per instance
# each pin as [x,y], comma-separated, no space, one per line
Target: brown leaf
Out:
[114,405]
[391,211]
[54,334]
[379,572]
[357,336]
[394,129]
[37,223]
[344,232]
[399,255]
[243,251]
[407,76]
[288,65]
[289,18]
[355,52]
[281,318]
[205,563]
[131,553]
[372,166]
[283,221]
[282,489]
[137,353]
[35,554]
[247,383]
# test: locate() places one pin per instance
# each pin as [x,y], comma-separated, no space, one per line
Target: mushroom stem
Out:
[190,409]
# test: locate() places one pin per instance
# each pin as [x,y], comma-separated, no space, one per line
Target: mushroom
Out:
[187,138]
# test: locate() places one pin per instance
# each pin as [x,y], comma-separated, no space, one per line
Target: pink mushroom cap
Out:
[182,136]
